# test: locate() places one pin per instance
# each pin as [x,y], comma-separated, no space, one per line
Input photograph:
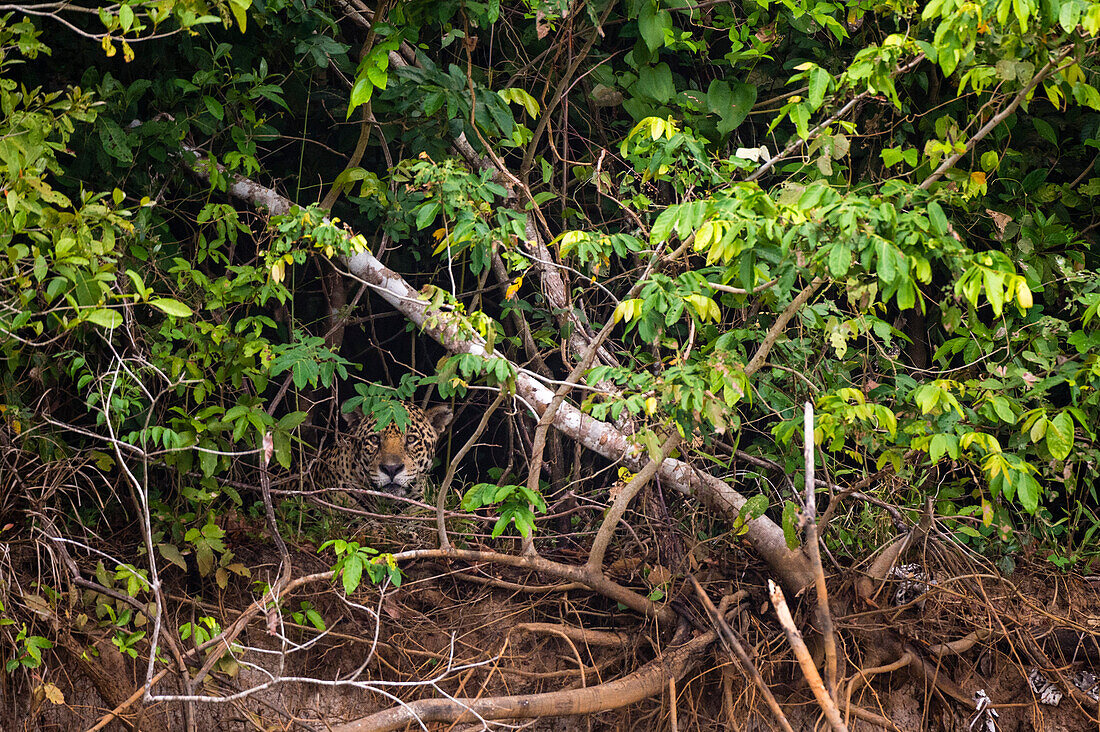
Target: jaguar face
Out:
[393,460]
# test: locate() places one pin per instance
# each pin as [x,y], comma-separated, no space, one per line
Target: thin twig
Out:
[106,719]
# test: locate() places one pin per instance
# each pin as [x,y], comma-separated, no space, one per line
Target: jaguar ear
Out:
[439,417]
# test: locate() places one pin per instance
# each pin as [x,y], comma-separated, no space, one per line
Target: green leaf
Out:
[1039,429]
[315,619]
[656,82]
[239,9]
[1059,437]
[891,156]
[214,107]
[662,227]
[519,96]
[790,525]
[377,76]
[105,317]
[208,461]
[819,84]
[800,115]
[353,574]
[427,213]
[840,260]
[652,24]
[204,558]
[115,141]
[731,102]
[361,93]
[289,421]
[1003,409]
[938,218]
[937,447]
[174,308]
[126,18]
[1027,489]
[172,554]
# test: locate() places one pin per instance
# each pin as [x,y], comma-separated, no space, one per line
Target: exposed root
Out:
[580,635]
[646,682]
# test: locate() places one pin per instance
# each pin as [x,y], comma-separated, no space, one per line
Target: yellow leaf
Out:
[627,309]
[978,178]
[108,47]
[278,271]
[1023,294]
[439,233]
[513,288]
[1054,94]
[53,693]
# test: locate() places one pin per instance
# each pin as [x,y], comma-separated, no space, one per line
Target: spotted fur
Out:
[393,461]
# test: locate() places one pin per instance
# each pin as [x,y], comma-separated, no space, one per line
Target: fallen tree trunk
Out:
[792,567]
[644,683]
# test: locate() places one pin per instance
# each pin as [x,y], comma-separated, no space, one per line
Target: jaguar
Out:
[392,460]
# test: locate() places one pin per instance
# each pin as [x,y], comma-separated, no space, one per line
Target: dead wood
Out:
[737,648]
[805,661]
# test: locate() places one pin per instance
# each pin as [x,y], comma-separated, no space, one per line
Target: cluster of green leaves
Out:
[515,504]
[27,648]
[352,560]
[201,632]
[154,334]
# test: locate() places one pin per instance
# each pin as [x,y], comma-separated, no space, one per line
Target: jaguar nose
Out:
[391,469]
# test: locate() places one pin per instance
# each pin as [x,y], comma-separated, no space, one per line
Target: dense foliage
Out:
[886,208]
